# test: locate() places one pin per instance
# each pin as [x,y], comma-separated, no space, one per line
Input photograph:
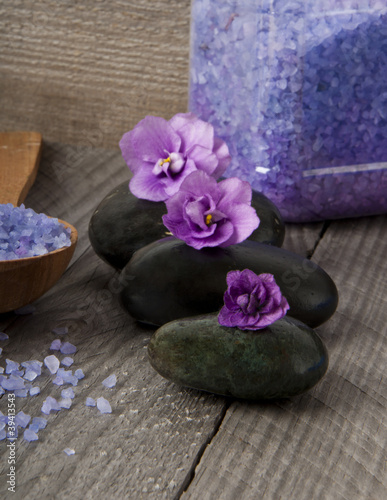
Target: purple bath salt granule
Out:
[90,402]
[21,393]
[69,451]
[52,363]
[34,391]
[38,423]
[67,393]
[3,336]
[103,405]
[67,376]
[55,345]
[12,367]
[24,233]
[3,434]
[60,330]
[50,404]
[110,381]
[65,403]
[22,419]
[30,435]
[34,365]
[58,381]
[12,383]
[30,375]
[79,374]
[67,361]
[67,348]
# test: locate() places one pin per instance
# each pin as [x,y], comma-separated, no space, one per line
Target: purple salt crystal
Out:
[103,405]
[110,381]
[65,403]
[67,376]
[30,375]
[12,383]
[38,423]
[34,391]
[12,366]
[34,365]
[52,363]
[79,374]
[3,336]
[30,435]
[60,330]
[22,419]
[50,404]
[21,393]
[67,361]
[90,401]
[67,348]
[3,434]
[67,393]
[55,345]
[1,370]
[58,381]
[69,451]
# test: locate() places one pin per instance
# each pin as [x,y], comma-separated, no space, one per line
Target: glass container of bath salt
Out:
[298,90]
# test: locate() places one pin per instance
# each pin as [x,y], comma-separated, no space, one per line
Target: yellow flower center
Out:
[167,160]
[208,219]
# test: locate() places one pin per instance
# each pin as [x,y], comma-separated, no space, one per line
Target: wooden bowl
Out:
[24,280]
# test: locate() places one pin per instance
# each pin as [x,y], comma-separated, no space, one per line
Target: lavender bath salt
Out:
[298,91]
[24,233]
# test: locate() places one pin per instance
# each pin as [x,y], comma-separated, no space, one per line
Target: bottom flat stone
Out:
[283,360]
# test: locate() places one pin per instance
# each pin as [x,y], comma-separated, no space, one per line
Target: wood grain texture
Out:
[19,161]
[166,442]
[86,72]
[329,443]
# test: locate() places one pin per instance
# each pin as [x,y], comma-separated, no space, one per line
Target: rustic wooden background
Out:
[85,72]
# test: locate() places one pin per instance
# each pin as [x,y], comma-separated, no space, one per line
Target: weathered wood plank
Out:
[329,443]
[85,72]
[148,446]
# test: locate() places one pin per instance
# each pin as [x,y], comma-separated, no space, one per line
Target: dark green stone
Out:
[283,360]
[122,224]
[168,279]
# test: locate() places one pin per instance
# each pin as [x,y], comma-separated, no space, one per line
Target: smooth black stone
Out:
[285,359]
[168,279]
[122,224]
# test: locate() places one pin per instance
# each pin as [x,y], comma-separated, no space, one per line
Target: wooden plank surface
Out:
[166,442]
[86,72]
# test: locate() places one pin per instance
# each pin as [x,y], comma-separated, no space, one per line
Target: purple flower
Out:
[161,154]
[251,302]
[204,213]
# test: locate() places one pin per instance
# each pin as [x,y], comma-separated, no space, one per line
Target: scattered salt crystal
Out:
[1,369]
[60,330]
[34,365]
[55,345]
[103,405]
[50,404]
[30,375]
[110,381]
[3,434]
[67,361]
[12,366]
[58,381]
[52,363]
[65,403]
[30,435]
[90,401]
[69,451]
[67,348]
[67,393]
[3,336]
[34,391]
[12,383]
[38,423]
[79,374]
[21,393]
[22,419]
[67,376]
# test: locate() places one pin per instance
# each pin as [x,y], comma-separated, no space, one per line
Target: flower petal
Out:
[204,158]
[244,220]
[233,190]
[221,151]
[145,185]
[192,131]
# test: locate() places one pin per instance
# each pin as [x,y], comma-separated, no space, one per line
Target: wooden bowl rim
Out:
[24,260]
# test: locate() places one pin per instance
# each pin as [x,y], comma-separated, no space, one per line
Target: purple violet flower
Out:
[161,154]
[204,213]
[251,302]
